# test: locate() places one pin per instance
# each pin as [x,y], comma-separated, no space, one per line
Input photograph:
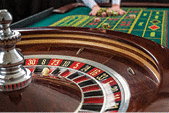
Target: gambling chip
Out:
[105,26]
[114,13]
[99,13]
[132,16]
[109,13]
[104,14]
[97,19]
[104,9]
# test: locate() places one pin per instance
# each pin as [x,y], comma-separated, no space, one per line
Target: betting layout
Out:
[150,24]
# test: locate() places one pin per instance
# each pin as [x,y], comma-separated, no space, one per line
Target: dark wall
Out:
[23,8]
[157,1]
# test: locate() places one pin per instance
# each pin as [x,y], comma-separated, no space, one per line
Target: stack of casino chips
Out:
[105,26]
[104,12]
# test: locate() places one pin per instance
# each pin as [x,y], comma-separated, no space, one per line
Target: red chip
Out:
[104,14]
[97,19]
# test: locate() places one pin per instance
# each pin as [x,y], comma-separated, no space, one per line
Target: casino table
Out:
[108,70]
[150,23]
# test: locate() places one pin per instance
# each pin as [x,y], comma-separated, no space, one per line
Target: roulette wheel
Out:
[67,69]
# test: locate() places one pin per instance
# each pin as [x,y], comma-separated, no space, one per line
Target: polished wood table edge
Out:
[144,4]
[71,6]
[138,4]
[33,18]
[68,7]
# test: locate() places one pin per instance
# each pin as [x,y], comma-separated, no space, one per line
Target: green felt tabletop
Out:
[150,23]
[53,18]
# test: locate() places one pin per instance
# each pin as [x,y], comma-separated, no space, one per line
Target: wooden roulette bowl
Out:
[112,71]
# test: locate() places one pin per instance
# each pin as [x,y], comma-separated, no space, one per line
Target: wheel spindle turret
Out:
[13,76]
